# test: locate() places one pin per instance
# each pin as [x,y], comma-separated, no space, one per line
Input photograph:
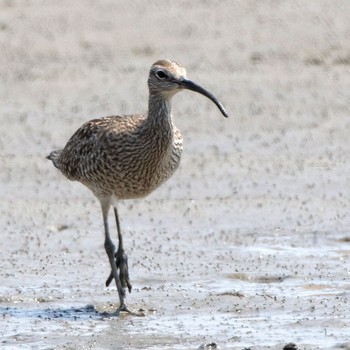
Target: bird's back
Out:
[122,155]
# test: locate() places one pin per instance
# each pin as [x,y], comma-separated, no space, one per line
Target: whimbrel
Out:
[124,157]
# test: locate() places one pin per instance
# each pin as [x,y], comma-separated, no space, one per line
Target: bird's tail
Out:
[54,157]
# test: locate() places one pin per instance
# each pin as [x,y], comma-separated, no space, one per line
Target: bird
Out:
[123,157]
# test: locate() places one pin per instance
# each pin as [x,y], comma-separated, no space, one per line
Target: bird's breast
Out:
[158,163]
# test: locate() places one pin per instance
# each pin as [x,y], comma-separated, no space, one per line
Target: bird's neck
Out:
[159,112]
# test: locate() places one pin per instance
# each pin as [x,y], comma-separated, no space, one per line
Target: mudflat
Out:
[248,244]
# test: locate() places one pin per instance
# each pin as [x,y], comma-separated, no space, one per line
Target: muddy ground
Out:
[248,244]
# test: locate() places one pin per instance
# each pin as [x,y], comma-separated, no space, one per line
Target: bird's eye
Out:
[161,75]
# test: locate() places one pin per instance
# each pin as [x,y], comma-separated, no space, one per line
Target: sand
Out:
[248,245]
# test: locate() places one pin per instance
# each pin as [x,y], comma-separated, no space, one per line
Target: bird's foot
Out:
[109,279]
[127,309]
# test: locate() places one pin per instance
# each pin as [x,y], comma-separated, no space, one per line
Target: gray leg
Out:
[110,250]
[121,260]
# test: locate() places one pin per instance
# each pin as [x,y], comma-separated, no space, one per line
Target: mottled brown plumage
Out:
[123,157]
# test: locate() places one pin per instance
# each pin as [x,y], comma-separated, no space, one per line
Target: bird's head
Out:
[166,78]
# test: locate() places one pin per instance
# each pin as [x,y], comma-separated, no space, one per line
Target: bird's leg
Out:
[121,260]
[113,260]
[110,249]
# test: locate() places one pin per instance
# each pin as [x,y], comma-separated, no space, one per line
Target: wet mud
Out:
[248,245]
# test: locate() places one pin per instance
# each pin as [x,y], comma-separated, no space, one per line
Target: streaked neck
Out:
[159,109]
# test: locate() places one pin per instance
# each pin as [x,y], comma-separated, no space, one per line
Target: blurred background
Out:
[265,189]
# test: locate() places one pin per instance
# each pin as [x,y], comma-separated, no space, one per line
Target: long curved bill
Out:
[190,85]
